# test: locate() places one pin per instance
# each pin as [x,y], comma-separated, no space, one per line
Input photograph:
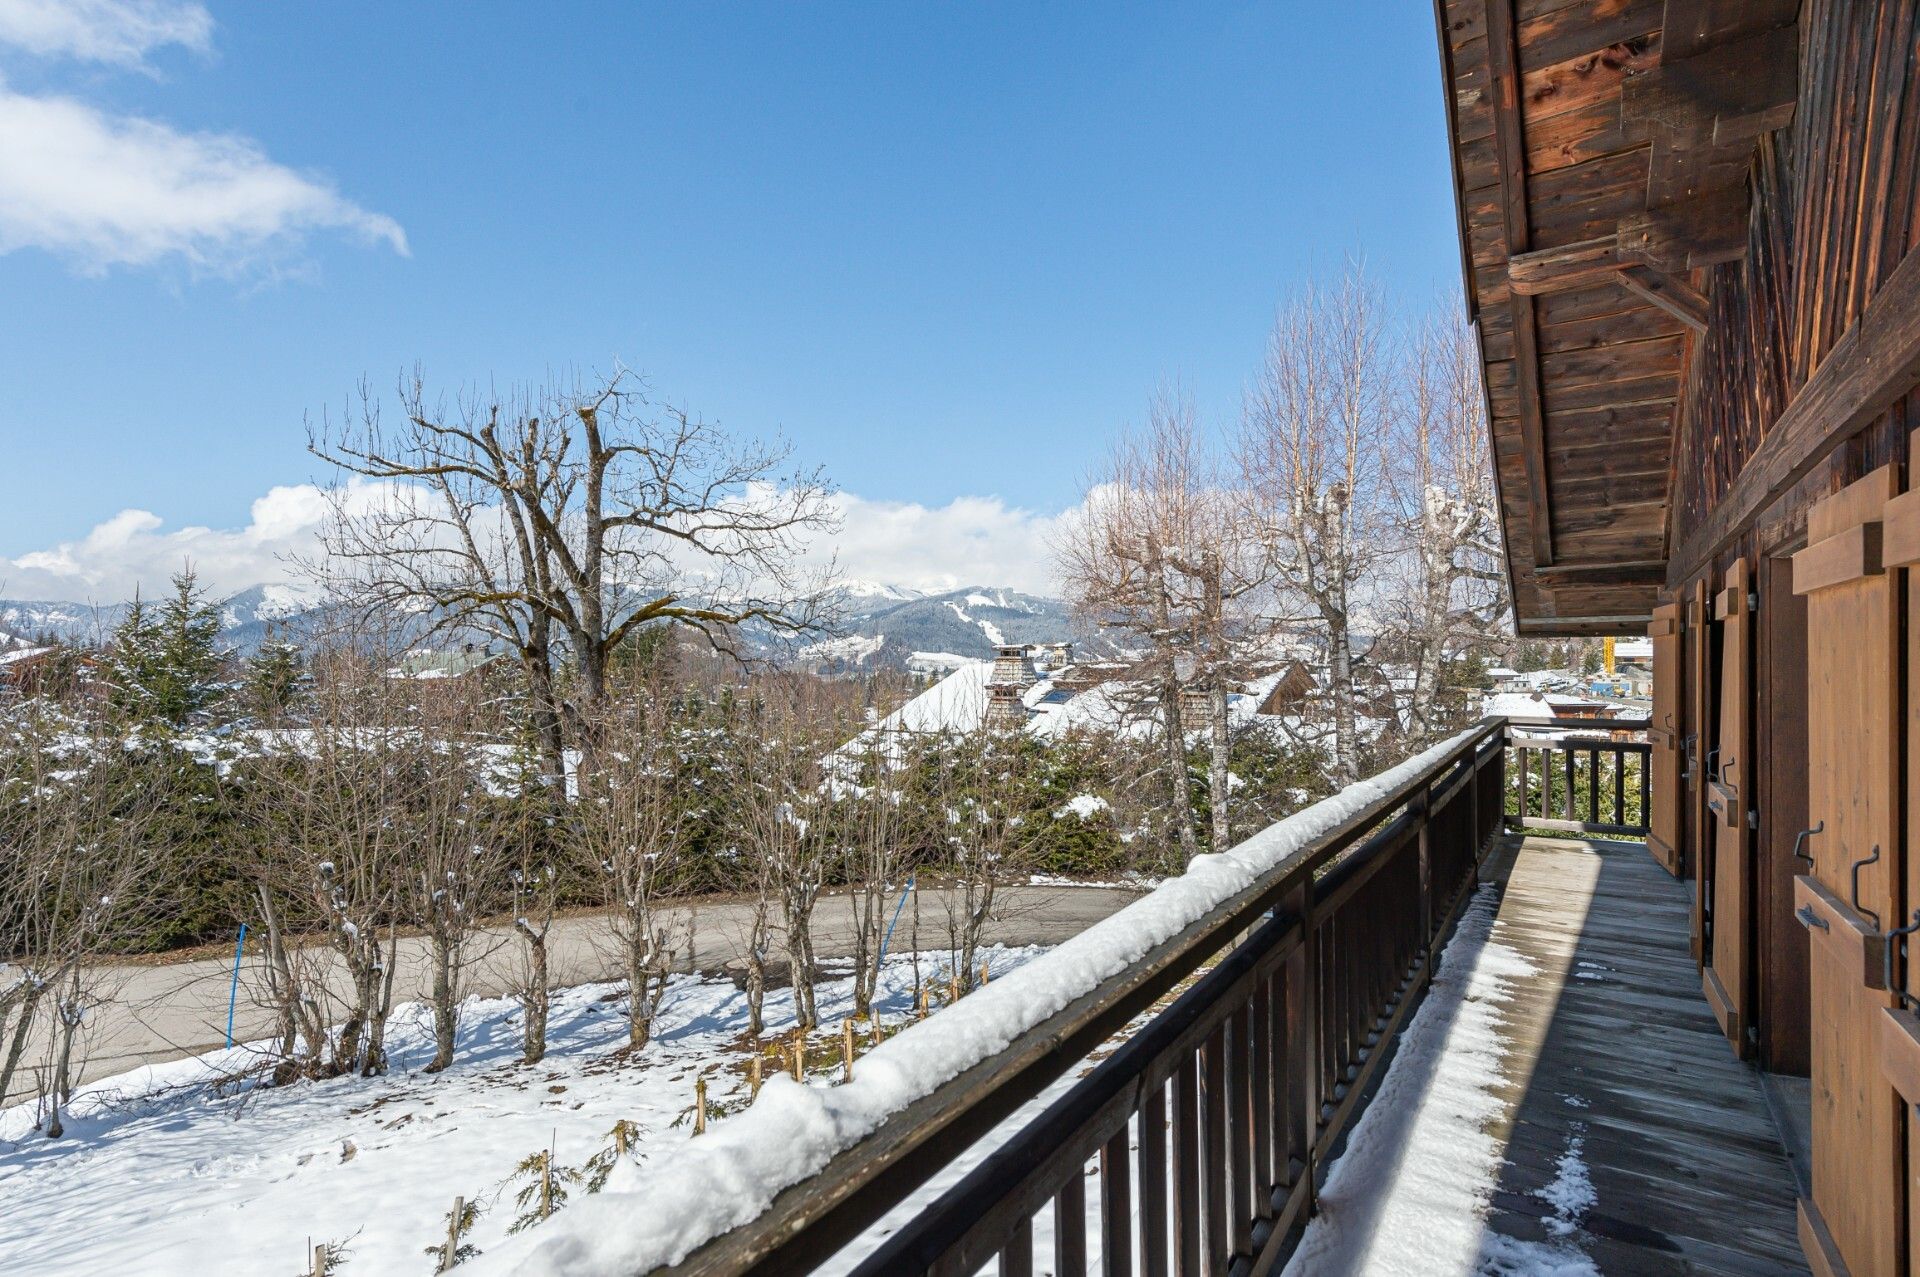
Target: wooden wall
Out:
[1836,207]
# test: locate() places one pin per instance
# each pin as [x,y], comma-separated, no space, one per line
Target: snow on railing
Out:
[658,1214]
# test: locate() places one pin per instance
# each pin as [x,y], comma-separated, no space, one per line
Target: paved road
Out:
[158,1012]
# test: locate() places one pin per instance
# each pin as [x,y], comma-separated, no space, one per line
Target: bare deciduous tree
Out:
[878,845]
[790,805]
[454,857]
[1114,560]
[562,521]
[1311,449]
[1453,592]
[73,863]
[325,803]
[630,818]
[1158,552]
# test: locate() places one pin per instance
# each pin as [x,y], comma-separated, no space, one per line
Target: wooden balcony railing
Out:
[1582,775]
[1204,1129]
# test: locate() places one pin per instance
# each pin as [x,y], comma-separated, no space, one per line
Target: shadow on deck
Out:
[1613,1060]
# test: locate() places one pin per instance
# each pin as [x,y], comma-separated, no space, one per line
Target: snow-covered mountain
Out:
[245,618]
[78,624]
[884,627]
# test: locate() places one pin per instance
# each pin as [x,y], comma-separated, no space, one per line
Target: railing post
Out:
[1303,1044]
[1425,808]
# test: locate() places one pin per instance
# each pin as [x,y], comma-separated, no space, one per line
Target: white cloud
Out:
[134,551]
[968,541]
[118,32]
[104,190]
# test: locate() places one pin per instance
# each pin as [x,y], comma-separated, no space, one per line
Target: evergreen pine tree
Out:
[164,665]
[276,677]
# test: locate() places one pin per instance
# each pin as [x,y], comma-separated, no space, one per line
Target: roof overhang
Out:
[1600,158]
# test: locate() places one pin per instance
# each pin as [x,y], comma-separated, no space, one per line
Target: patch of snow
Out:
[1571,1193]
[1085,806]
[734,1172]
[856,648]
[1409,1196]
[936,661]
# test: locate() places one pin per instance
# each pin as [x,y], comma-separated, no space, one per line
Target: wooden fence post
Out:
[700,1106]
[320,1260]
[846,1049]
[452,1247]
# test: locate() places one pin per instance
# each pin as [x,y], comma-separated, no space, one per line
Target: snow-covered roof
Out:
[1536,704]
[22,654]
[1636,649]
[451,663]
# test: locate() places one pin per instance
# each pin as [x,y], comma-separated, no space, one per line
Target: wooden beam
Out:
[1510,155]
[1671,294]
[1554,270]
[1868,370]
[1631,623]
[1625,572]
[1702,230]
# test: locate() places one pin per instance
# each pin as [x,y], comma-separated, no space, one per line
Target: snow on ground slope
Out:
[706,1189]
[158,1175]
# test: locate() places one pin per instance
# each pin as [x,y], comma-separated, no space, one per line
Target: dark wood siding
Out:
[1836,207]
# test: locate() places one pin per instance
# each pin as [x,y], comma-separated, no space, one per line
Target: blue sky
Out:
[946,249]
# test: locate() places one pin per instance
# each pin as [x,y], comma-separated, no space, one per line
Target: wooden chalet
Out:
[1686,228]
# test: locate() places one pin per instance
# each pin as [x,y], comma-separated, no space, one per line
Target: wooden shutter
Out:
[1854,720]
[1666,736]
[1703,754]
[1726,972]
[1900,1026]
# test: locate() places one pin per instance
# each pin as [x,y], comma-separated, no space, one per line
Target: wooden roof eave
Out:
[1468,284]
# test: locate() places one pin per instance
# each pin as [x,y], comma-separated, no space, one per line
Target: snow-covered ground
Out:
[161,1173]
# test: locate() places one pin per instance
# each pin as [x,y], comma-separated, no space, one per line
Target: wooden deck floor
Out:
[1613,1043]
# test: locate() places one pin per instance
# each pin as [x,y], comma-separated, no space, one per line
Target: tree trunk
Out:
[1346,762]
[800,958]
[29,1003]
[62,1090]
[1220,775]
[545,706]
[1179,784]
[376,1057]
[445,1008]
[534,998]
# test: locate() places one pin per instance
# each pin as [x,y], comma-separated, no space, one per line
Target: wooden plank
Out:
[1868,370]
[1510,158]
[1687,1172]
[1729,969]
[1782,747]
[1576,265]
[1900,533]
[1900,1051]
[1847,556]
[1672,295]
[1643,572]
[1854,781]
